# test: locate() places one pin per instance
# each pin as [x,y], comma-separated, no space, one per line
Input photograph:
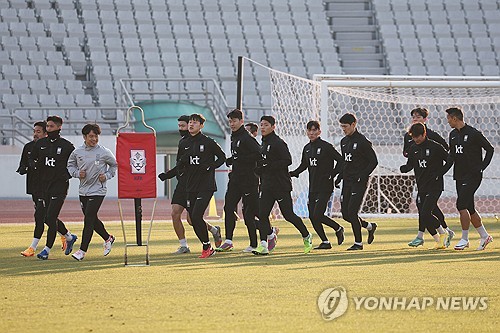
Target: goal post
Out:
[382,105]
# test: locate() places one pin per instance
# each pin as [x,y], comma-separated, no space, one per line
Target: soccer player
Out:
[420,115]
[94,165]
[201,157]
[359,162]
[252,128]
[243,183]
[39,131]
[50,157]
[179,198]
[466,146]
[427,158]
[319,158]
[276,185]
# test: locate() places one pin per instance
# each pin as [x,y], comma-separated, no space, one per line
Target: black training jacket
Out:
[245,152]
[26,169]
[202,155]
[359,158]
[427,159]
[50,156]
[273,168]
[319,157]
[408,141]
[466,153]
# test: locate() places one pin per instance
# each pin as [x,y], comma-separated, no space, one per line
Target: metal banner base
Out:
[146,244]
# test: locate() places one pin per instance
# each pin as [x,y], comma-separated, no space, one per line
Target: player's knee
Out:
[316,217]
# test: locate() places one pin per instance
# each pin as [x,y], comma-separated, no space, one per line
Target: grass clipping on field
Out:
[241,292]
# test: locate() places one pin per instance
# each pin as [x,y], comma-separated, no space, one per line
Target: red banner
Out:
[136,158]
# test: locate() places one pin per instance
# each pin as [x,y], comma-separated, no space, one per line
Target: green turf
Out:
[236,292]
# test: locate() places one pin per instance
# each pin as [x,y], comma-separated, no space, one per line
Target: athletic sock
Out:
[436,237]
[34,243]
[47,249]
[183,242]
[68,236]
[206,246]
[360,244]
[448,229]
[271,236]
[440,230]
[228,241]
[465,234]
[369,226]
[263,243]
[420,234]
[482,232]
[325,242]
[213,230]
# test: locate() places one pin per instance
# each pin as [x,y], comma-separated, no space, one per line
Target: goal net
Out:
[382,105]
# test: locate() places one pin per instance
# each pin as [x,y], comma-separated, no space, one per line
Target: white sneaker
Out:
[107,244]
[462,244]
[248,249]
[484,242]
[78,255]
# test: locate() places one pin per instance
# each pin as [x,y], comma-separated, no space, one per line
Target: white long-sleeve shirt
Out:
[95,161]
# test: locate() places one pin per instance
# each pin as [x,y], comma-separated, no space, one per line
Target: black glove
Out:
[404,168]
[293,174]
[229,161]
[163,176]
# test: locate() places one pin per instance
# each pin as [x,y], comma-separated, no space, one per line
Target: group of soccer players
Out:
[260,178]
[49,162]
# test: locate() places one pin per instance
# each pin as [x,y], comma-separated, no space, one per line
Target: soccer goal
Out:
[382,105]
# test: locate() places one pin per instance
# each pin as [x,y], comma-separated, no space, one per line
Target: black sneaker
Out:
[323,246]
[371,233]
[355,247]
[340,235]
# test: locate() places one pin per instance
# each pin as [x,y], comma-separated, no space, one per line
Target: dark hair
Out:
[417,129]
[91,128]
[184,118]
[197,117]
[348,118]
[313,123]
[455,112]
[253,127]
[235,114]
[270,119]
[42,124]
[55,119]
[421,111]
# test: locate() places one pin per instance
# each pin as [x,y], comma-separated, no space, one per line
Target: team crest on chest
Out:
[427,152]
[269,148]
[318,151]
[59,150]
[202,148]
[466,137]
[238,143]
[355,145]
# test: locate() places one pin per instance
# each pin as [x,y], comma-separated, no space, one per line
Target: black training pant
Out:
[54,204]
[465,193]
[350,203]
[40,211]
[267,198]
[197,203]
[317,206]
[426,205]
[90,207]
[249,196]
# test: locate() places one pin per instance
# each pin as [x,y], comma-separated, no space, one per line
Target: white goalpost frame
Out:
[384,81]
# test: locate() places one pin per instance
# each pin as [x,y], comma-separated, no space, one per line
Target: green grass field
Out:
[237,292]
